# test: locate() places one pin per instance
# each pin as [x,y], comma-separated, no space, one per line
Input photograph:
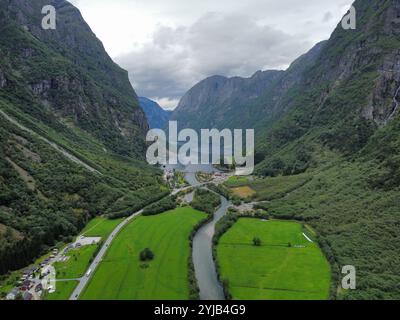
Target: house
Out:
[29,271]
[27,284]
[13,294]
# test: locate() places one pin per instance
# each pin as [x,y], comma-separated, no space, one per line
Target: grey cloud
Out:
[229,45]
[327,17]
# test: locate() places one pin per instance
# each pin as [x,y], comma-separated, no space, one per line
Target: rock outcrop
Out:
[68,72]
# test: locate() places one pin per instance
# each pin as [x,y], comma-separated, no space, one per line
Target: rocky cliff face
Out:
[347,86]
[239,102]
[215,100]
[157,116]
[67,73]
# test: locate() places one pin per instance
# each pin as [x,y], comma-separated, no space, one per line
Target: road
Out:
[64,152]
[97,260]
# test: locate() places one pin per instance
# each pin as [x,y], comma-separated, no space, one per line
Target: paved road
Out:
[85,279]
[52,144]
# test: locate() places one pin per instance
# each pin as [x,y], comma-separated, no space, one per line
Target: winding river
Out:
[206,274]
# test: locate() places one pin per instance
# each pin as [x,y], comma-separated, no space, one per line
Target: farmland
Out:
[266,188]
[77,263]
[285,266]
[100,227]
[243,192]
[122,275]
[63,290]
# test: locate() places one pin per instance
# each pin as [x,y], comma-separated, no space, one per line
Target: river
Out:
[206,274]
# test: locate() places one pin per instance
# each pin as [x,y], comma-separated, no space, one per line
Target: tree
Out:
[146,255]
[256,241]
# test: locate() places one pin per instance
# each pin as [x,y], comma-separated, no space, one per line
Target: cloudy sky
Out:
[169,45]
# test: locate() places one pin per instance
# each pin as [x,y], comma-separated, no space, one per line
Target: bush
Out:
[206,201]
[146,255]
[168,203]
[256,242]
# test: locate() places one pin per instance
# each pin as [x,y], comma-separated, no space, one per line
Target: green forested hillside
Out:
[71,133]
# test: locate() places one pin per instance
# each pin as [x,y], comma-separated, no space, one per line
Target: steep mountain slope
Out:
[156,116]
[68,74]
[71,132]
[337,118]
[218,101]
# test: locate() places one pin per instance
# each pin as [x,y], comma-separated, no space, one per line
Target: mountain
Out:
[217,101]
[69,74]
[72,133]
[156,116]
[333,116]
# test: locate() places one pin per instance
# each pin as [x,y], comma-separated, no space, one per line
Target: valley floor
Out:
[286,266]
[121,275]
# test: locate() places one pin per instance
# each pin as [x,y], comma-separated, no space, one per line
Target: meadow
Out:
[77,263]
[122,275]
[270,188]
[63,291]
[286,266]
[243,192]
[100,227]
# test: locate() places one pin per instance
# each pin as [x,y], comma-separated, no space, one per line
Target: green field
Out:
[100,227]
[275,270]
[64,290]
[237,181]
[75,267]
[122,276]
[269,188]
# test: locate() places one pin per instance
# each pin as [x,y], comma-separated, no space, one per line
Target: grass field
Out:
[100,227]
[76,265]
[243,192]
[235,181]
[267,188]
[122,276]
[64,290]
[273,271]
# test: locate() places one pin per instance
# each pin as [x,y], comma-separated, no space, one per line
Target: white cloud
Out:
[166,103]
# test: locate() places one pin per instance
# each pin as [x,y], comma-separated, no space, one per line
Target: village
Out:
[40,280]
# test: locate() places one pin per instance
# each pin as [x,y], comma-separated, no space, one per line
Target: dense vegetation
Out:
[165,204]
[206,201]
[44,197]
[65,89]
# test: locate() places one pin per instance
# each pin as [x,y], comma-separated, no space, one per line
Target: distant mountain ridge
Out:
[156,115]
